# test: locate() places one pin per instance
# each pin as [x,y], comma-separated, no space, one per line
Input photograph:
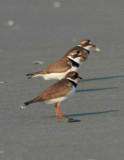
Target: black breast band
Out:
[74,63]
[73,83]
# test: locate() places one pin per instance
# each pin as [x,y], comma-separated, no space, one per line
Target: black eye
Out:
[78,51]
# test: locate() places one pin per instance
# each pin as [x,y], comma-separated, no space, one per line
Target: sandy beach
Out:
[44,31]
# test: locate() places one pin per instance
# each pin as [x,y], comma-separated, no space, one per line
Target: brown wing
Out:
[59,89]
[57,67]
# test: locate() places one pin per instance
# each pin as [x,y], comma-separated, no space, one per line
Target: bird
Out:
[84,45]
[59,69]
[58,92]
[70,62]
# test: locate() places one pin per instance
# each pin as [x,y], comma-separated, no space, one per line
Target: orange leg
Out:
[78,72]
[59,113]
[78,80]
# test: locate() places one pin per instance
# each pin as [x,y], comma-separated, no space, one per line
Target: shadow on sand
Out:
[91,113]
[90,90]
[103,78]
[96,89]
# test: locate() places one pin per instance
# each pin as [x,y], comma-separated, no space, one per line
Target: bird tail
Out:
[30,75]
[37,99]
[29,102]
[36,74]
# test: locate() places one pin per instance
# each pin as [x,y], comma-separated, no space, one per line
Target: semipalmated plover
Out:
[83,46]
[58,92]
[70,62]
[59,69]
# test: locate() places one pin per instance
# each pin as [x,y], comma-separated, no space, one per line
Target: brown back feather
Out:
[53,68]
[59,89]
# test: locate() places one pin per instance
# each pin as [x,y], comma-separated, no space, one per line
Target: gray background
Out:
[43,32]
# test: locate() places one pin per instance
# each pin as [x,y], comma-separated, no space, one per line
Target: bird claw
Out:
[61,117]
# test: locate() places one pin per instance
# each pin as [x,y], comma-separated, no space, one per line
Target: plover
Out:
[70,62]
[58,92]
[83,46]
[59,69]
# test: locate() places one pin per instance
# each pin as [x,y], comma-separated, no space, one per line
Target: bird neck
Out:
[86,48]
[73,82]
[74,63]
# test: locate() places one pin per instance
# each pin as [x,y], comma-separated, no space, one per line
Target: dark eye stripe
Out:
[78,51]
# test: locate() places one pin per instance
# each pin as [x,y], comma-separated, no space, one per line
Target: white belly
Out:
[55,100]
[60,99]
[57,76]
